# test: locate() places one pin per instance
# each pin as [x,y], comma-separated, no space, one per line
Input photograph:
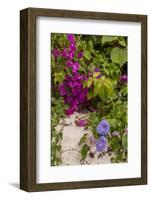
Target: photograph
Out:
[89,99]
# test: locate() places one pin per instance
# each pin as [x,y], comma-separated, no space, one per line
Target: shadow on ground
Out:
[16,185]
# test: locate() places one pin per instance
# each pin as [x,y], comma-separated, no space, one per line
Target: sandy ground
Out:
[72,134]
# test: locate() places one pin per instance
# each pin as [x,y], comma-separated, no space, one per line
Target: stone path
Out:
[70,153]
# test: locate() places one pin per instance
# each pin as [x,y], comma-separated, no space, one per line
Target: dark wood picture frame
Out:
[28,99]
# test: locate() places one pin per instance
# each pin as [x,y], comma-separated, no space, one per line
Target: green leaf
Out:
[105,88]
[124,90]
[61,135]
[89,82]
[58,147]
[90,94]
[115,144]
[96,74]
[90,44]
[107,39]
[85,84]
[124,141]
[103,93]
[87,55]
[96,91]
[119,55]
[109,86]
[58,77]
[113,160]
[83,139]
[113,123]
[84,151]
[122,43]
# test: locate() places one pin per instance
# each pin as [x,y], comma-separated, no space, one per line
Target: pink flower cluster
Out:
[72,87]
[73,92]
[69,54]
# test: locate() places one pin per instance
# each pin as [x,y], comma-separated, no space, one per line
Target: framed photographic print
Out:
[83,93]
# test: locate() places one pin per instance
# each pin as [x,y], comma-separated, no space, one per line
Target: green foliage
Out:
[119,147]
[124,141]
[87,55]
[108,39]
[122,43]
[102,87]
[93,122]
[57,112]
[115,143]
[83,139]
[84,151]
[124,90]
[59,77]
[119,55]
[115,111]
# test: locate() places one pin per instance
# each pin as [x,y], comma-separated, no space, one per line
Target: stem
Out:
[69,150]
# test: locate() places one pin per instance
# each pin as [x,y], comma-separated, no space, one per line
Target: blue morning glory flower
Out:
[101,143]
[103,127]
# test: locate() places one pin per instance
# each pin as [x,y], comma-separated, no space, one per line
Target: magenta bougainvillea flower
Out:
[71,55]
[101,143]
[73,92]
[124,78]
[56,53]
[70,100]
[71,38]
[69,63]
[80,54]
[69,111]
[62,89]
[81,122]
[83,96]
[75,66]
[65,53]
[72,47]
[103,128]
